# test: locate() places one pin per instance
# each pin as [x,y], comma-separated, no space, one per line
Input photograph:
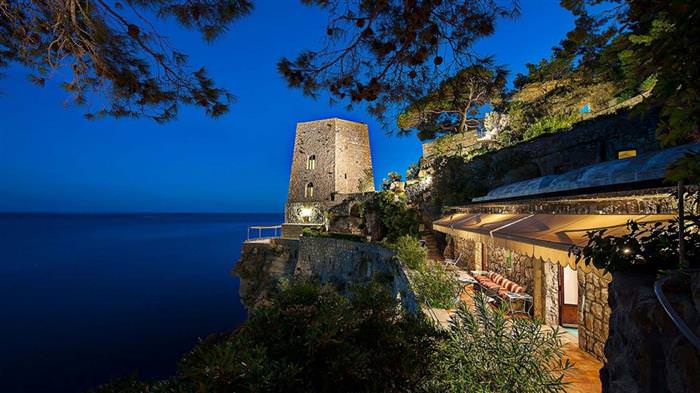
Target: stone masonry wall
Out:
[515,267]
[457,246]
[315,138]
[588,142]
[593,313]
[353,161]
[343,166]
[518,268]
[344,262]
[550,289]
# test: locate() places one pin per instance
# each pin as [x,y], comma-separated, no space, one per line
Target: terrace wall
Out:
[594,312]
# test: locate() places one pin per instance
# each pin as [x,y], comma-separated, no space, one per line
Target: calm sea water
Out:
[87,298]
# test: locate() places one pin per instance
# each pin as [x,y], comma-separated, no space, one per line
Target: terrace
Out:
[583,377]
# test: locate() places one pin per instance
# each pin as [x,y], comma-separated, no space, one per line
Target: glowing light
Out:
[626,250]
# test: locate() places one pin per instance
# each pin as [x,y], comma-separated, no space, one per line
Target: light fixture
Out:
[306,212]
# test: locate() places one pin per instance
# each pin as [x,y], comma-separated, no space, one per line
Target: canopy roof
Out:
[546,236]
[643,168]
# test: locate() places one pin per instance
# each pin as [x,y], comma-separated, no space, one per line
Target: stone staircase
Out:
[431,243]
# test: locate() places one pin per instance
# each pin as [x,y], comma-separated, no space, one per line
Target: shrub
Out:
[645,248]
[397,218]
[549,125]
[436,286]
[393,178]
[413,170]
[311,232]
[409,251]
[488,352]
[309,339]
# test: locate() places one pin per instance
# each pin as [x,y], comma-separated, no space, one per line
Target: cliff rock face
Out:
[645,351]
[342,263]
[345,263]
[261,266]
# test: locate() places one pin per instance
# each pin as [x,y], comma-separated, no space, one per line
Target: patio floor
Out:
[583,377]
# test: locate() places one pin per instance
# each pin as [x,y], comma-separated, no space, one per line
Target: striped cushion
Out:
[491,285]
[495,277]
[516,288]
[481,278]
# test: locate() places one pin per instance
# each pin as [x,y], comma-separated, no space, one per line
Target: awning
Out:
[546,236]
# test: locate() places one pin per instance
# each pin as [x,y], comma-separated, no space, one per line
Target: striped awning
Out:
[546,236]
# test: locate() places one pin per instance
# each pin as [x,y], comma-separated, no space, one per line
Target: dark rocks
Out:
[645,351]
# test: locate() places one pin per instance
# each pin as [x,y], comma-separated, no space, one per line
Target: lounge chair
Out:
[452,262]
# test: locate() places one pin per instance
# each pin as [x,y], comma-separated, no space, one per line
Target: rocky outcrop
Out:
[261,266]
[343,263]
[645,351]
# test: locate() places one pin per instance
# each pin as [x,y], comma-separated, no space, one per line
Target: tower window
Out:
[309,191]
[311,162]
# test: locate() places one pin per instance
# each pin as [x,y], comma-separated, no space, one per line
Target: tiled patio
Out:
[583,377]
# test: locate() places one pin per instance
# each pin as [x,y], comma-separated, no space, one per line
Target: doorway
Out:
[568,297]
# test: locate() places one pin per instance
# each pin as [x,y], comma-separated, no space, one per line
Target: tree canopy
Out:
[390,53]
[649,44]
[455,106]
[115,54]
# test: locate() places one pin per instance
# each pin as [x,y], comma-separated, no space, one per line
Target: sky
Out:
[54,160]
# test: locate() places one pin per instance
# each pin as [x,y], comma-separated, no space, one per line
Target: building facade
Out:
[526,230]
[331,161]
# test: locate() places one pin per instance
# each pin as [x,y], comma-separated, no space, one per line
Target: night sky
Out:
[53,160]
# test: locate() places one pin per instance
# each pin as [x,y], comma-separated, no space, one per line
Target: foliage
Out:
[549,125]
[310,339]
[455,106]
[487,350]
[495,124]
[645,248]
[410,252]
[397,217]
[413,170]
[392,177]
[114,52]
[641,45]
[390,52]
[311,232]
[435,285]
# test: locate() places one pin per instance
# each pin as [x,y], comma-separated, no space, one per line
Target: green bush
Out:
[311,232]
[310,339]
[549,125]
[409,251]
[649,248]
[436,286]
[488,352]
[397,218]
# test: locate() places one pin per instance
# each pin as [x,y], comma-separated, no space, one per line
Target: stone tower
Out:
[331,161]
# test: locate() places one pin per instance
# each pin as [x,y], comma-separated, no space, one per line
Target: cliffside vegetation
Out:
[397,217]
[649,248]
[312,339]
[431,282]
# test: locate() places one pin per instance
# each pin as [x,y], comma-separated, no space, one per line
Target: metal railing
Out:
[675,318]
[263,232]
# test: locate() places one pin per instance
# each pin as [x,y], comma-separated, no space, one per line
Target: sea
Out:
[85,299]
